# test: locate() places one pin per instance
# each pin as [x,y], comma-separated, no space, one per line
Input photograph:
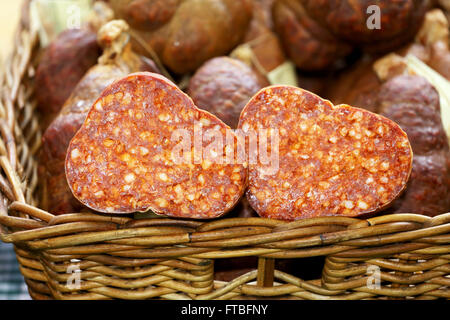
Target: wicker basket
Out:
[90,256]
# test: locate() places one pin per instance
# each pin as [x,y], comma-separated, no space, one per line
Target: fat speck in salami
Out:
[332,160]
[139,150]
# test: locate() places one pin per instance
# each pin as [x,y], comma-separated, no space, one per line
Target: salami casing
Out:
[413,103]
[63,63]
[359,84]
[145,146]
[332,160]
[321,34]
[185,34]
[223,86]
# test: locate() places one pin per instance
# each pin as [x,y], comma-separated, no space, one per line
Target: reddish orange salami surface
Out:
[145,146]
[332,160]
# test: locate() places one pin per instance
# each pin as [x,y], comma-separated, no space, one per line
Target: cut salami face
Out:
[332,160]
[145,146]
[117,61]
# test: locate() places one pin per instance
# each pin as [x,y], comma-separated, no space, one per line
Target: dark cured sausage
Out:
[185,34]
[223,86]
[64,62]
[413,103]
[358,85]
[316,34]
[332,160]
[127,157]
[309,45]
[117,61]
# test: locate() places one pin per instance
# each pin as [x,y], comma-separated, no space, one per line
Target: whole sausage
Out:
[319,34]
[309,45]
[116,61]
[145,146]
[321,159]
[64,62]
[223,86]
[351,20]
[185,34]
[359,84]
[413,103]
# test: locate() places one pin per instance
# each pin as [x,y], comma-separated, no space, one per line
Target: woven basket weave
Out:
[93,256]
